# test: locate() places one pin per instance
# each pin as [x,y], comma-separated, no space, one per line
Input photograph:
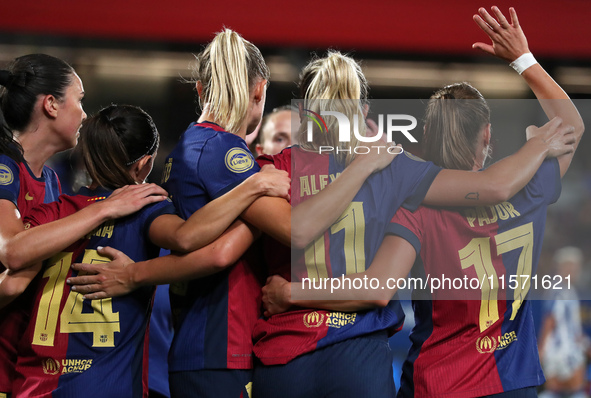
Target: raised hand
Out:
[557,135]
[276,295]
[508,40]
[104,280]
[130,198]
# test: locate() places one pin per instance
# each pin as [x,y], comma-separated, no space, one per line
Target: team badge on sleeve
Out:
[239,160]
[6,176]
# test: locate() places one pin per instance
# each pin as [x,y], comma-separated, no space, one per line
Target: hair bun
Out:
[5,78]
[8,79]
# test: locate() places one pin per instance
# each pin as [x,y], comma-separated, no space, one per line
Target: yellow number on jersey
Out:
[49,306]
[352,221]
[102,322]
[477,254]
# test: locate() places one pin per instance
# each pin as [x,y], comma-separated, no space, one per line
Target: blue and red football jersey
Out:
[476,339]
[19,185]
[213,316]
[72,345]
[347,247]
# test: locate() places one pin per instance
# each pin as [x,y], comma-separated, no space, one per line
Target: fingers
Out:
[96,296]
[155,189]
[151,199]
[568,133]
[500,17]
[86,280]
[87,268]
[372,128]
[555,122]
[87,289]
[492,23]
[483,25]
[142,189]
[514,20]
[487,48]
[109,252]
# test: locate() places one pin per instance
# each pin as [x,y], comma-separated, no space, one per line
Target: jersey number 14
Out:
[102,322]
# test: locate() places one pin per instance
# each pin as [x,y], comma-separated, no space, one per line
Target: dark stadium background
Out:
[138,52]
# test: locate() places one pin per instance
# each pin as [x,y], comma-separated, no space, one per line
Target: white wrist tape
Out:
[523,62]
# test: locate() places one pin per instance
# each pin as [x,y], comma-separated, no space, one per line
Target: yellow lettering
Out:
[108,230]
[503,215]
[470,215]
[323,181]
[313,185]
[334,176]
[304,186]
[482,216]
[510,209]
[494,217]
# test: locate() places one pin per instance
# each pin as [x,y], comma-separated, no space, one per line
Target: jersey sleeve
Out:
[225,163]
[412,178]
[153,212]
[9,179]
[546,183]
[407,225]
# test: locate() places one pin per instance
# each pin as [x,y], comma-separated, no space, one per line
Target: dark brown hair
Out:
[26,78]
[113,140]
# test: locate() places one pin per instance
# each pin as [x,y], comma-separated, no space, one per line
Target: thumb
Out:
[487,48]
[109,252]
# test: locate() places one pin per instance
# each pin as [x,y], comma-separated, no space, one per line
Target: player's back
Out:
[70,342]
[474,332]
[347,247]
[215,313]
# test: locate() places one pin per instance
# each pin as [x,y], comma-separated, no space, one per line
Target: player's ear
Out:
[141,169]
[199,88]
[259,149]
[50,105]
[259,90]
[487,135]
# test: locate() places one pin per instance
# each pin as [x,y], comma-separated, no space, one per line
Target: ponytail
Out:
[227,69]
[455,116]
[333,83]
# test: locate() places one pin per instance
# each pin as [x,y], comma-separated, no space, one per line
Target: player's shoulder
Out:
[9,169]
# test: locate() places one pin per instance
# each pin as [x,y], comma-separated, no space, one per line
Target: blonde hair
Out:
[454,119]
[333,83]
[227,69]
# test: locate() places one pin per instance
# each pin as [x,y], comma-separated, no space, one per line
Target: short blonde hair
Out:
[227,69]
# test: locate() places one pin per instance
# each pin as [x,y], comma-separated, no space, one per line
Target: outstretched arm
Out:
[509,43]
[210,221]
[20,248]
[505,178]
[122,275]
[393,260]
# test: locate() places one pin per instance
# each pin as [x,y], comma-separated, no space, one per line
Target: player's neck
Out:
[207,116]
